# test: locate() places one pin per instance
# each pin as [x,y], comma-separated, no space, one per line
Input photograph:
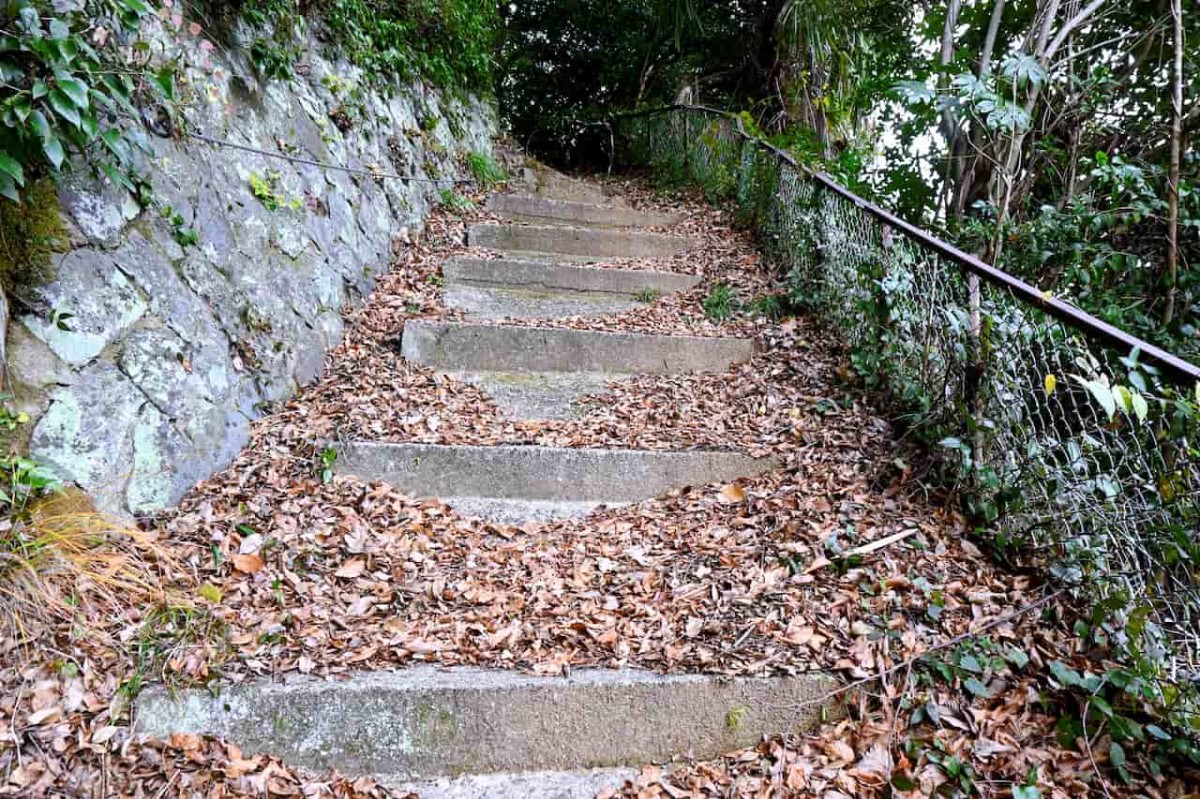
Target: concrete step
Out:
[532,207]
[471,347]
[516,303]
[579,784]
[505,288]
[576,241]
[538,395]
[541,275]
[516,484]
[546,182]
[424,723]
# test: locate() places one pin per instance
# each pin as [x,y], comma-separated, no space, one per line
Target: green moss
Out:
[31,232]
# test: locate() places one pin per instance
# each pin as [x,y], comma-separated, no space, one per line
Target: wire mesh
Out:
[1046,420]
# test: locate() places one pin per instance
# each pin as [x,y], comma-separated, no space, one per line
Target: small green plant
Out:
[266,189]
[648,295]
[325,461]
[484,169]
[25,480]
[455,201]
[183,234]
[169,629]
[61,319]
[721,303]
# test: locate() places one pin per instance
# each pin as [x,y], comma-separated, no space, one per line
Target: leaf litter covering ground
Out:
[295,574]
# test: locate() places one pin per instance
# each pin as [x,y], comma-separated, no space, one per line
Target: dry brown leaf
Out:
[351,568]
[732,493]
[247,564]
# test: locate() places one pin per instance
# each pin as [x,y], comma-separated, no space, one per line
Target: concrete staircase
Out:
[464,732]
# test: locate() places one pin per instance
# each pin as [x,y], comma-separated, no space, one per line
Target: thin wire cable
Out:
[310,162]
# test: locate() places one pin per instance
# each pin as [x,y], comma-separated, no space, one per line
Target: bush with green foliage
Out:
[449,43]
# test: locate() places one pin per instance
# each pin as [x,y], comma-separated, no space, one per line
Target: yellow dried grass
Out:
[70,564]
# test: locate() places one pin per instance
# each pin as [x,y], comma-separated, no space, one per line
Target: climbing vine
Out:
[77,78]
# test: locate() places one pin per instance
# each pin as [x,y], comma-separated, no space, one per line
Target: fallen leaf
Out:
[351,569]
[247,564]
[731,494]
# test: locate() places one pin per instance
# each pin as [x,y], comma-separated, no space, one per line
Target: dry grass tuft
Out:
[66,563]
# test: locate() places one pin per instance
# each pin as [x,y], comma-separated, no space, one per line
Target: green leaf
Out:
[39,123]
[9,189]
[73,88]
[1102,392]
[1158,732]
[12,167]
[53,149]
[1116,755]
[21,107]
[115,143]
[88,124]
[977,688]
[63,106]
[970,663]
[1140,406]
[1026,792]
[164,81]
[1064,675]
[1016,657]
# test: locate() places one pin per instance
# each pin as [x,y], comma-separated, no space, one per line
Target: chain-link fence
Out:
[1076,442]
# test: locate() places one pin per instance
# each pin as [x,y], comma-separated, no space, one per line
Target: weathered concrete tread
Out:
[539,395]
[488,302]
[546,182]
[576,241]
[423,723]
[477,347]
[553,476]
[514,289]
[530,207]
[505,272]
[581,784]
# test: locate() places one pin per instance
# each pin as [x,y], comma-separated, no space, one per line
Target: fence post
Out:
[973,385]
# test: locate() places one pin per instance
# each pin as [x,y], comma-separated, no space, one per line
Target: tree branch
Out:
[1067,29]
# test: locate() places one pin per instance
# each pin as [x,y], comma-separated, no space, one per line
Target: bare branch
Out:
[1068,28]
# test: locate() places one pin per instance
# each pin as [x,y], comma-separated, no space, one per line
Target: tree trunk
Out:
[1172,266]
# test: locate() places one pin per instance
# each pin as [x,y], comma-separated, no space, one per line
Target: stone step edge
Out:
[576,784]
[478,347]
[533,206]
[537,474]
[426,722]
[577,241]
[500,273]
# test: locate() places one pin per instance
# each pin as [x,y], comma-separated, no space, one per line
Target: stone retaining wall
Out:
[171,349]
